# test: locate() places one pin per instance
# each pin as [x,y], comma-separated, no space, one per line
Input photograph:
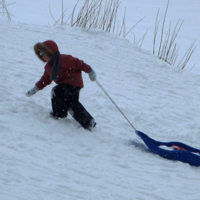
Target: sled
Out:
[180,151]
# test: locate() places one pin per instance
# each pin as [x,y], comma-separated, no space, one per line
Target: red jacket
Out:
[70,72]
[70,67]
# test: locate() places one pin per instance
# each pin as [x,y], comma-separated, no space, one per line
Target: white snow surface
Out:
[48,159]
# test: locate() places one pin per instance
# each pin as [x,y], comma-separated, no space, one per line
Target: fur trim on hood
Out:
[49,48]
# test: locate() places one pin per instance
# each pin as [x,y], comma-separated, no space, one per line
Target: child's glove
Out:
[32,91]
[92,74]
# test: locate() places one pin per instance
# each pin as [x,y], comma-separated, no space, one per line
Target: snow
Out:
[42,158]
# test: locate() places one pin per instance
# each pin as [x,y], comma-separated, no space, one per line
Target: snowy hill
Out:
[46,159]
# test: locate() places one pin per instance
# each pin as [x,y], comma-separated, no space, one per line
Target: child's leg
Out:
[63,97]
[81,115]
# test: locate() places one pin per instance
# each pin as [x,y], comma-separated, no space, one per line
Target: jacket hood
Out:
[49,48]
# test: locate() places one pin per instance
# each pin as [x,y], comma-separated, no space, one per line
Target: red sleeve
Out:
[82,66]
[44,81]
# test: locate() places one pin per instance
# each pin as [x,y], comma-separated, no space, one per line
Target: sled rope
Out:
[115,104]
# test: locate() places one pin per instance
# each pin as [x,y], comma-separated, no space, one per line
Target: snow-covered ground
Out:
[46,159]
[38,12]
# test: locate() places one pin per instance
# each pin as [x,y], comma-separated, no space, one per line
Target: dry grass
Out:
[168,49]
[4,10]
[98,14]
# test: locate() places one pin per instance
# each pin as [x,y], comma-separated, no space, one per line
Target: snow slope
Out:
[46,159]
[37,12]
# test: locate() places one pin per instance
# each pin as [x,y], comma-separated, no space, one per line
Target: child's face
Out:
[45,58]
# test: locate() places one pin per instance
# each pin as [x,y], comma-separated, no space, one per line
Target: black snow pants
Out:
[64,99]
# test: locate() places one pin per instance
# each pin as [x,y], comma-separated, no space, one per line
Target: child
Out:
[65,71]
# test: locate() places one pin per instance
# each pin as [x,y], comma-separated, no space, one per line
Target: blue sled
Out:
[185,153]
